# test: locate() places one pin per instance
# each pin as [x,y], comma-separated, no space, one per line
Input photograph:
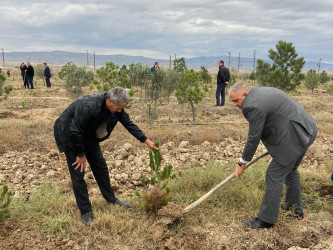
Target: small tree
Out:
[285,72]
[323,77]
[159,195]
[180,65]
[311,80]
[109,74]
[206,77]
[5,199]
[154,88]
[68,68]
[2,82]
[39,71]
[191,90]
[76,79]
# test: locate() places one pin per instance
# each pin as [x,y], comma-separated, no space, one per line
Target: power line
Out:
[319,65]
[3,57]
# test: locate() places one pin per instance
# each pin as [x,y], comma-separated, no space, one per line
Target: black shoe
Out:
[296,214]
[217,105]
[121,203]
[256,223]
[87,218]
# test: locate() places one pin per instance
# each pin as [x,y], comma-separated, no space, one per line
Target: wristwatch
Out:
[241,164]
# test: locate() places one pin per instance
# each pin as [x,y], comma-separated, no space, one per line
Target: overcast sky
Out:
[162,28]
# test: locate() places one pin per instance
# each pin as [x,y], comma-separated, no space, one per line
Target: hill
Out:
[62,57]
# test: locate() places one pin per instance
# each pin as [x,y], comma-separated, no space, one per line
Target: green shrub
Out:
[5,199]
[329,89]
[8,89]
[159,179]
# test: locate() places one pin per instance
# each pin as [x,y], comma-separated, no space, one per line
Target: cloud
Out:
[160,28]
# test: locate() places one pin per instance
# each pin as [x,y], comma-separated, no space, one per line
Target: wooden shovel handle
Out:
[213,190]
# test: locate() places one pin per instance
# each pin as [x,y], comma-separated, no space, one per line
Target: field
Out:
[44,214]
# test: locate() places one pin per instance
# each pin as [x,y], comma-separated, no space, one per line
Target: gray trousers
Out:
[276,176]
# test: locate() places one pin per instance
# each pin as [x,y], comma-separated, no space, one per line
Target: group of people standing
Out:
[28,73]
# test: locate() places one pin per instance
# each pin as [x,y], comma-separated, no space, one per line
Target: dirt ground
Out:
[27,142]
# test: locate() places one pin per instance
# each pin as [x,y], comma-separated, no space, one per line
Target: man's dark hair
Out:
[156,63]
[221,61]
[45,63]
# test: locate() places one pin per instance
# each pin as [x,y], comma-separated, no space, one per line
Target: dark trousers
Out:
[100,171]
[276,176]
[48,83]
[31,81]
[25,82]
[220,91]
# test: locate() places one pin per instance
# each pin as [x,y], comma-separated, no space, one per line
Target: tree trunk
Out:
[193,111]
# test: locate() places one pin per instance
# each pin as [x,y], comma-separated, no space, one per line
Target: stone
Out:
[184,144]
[136,176]
[51,173]
[127,146]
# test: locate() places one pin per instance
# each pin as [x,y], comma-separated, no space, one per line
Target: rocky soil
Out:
[24,171]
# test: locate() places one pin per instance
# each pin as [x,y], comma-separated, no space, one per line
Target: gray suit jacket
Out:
[279,121]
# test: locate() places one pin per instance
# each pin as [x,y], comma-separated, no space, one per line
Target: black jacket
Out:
[83,117]
[30,71]
[47,72]
[223,75]
[23,69]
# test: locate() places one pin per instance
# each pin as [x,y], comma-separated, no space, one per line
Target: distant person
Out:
[287,131]
[223,78]
[8,73]
[79,130]
[23,69]
[152,69]
[30,75]
[47,75]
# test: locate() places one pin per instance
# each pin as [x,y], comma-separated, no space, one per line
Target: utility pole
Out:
[229,60]
[94,61]
[254,60]
[87,59]
[319,65]
[175,57]
[3,57]
[170,62]
[238,66]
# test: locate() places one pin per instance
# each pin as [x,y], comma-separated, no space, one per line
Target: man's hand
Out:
[81,163]
[226,82]
[239,170]
[151,145]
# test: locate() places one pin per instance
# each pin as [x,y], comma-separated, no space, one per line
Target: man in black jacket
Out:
[47,75]
[30,75]
[23,69]
[222,81]
[78,131]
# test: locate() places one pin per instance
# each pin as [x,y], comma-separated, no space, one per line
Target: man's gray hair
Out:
[239,86]
[118,95]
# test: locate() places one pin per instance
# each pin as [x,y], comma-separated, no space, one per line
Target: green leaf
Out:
[151,160]
[143,180]
[137,193]
[152,180]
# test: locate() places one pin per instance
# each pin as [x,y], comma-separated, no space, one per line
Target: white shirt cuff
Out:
[242,161]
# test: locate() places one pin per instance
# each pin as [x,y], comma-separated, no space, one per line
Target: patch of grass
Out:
[239,193]
[46,208]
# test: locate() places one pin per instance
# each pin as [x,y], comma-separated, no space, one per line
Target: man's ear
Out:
[245,93]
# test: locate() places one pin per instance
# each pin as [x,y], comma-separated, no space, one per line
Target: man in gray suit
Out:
[287,131]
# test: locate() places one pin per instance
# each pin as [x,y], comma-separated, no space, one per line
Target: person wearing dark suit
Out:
[23,69]
[79,129]
[287,130]
[47,75]
[30,75]
[222,81]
